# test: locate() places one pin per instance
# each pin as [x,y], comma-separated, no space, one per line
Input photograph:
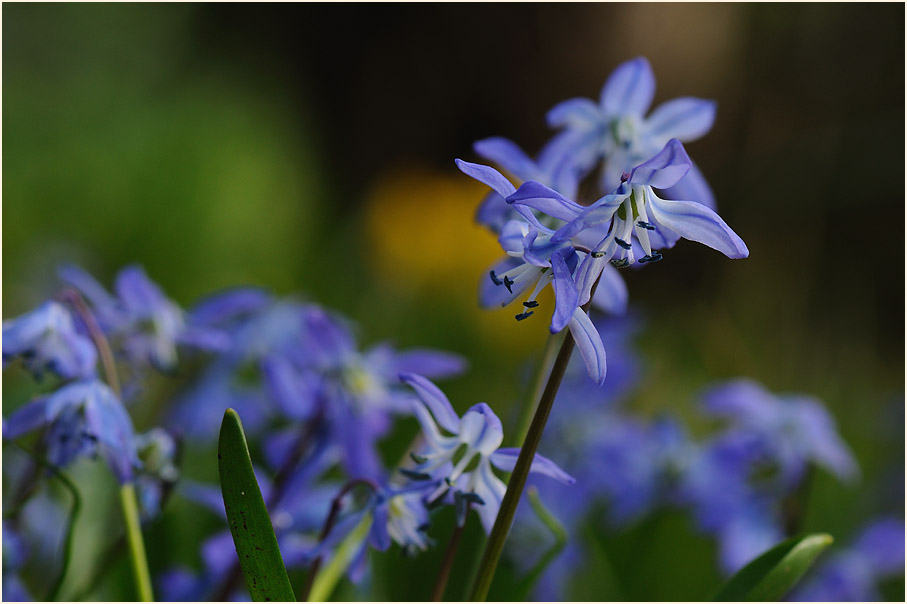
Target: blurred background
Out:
[309,149]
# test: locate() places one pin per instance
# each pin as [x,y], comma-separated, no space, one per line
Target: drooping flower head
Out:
[460,462]
[83,418]
[46,339]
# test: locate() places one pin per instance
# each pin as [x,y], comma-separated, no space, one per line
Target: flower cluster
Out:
[551,239]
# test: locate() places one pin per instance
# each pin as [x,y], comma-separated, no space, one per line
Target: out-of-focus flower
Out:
[15,553]
[790,431]
[853,575]
[83,418]
[147,324]
[157,451]
[461,463]
[46,339]
[616,132]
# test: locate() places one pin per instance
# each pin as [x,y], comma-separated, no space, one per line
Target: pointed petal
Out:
[611,295]
[491,489]
[590,345]
[566,296]
[85,283]
[629,89]
[684,118]
[491,295]
[664,169]
[692,187]
[505,459]
[429,363]
[546,200]
[589,270]
[487,176]
[508,155]
[25,419]
[598,213]
[696,222]
[575,113]
[435,400]
[481,429]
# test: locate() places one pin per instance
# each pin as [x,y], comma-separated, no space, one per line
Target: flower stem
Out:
[437,593]
[498,536]
[127,491]
[136,543]
[538,382]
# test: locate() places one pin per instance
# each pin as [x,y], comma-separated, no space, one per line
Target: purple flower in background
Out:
[46,339]
[790,431]
[147,324]
[462,462]
[157,451]
[853,575]
[616,131]
[84,418]
[15,553]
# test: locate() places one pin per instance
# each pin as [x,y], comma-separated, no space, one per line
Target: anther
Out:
[418,458]
[473,497]
[508,282]
[622,243]
[655,257]
[647,226]
[412,474]
[494,278]
[597,254]
[530,304]
[525,315]
[620,263]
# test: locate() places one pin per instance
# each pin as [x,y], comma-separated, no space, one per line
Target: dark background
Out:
[309,148]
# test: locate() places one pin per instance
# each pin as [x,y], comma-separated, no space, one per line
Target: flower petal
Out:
[684,118]
[566,296]
[664,169]
[546,200]
[629,89]
[25,419]
[430,363]
[487,176]
[695,222]
[493,295]
[692,187]
[575,113]
[508,155]
[435,400]
[491,489]
[505,459]
[590,345]
[611,295]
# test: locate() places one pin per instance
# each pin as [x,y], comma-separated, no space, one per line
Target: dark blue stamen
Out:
[525,315]
[597,254]
[473,497]
[418,458]
[412,474]
[508,282]
[655,257]
[530,304]
[622,243]
[647,226]
[448,481]
[494,278]
[620,263]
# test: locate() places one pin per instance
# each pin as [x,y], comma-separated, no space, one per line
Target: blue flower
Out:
[15,554]
[790,431]
[149,324]
[46,339]
[156,450]
[536,259]
[461,463]
[616,131]
[84,418]
[634,211]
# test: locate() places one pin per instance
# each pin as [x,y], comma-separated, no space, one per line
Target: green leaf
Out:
[524,589]
[769,577]
[250,524]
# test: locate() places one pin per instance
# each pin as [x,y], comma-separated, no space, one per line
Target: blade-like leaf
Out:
[770,576]
[250,524]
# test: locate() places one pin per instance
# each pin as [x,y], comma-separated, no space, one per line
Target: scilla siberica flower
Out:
[462,462]
[84,418]
[534,260]
[633,210]
[616,132]
[46,339]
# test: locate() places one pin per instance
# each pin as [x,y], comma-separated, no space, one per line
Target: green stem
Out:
[136,543]
[538,382]
[327,579]
[499,532]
